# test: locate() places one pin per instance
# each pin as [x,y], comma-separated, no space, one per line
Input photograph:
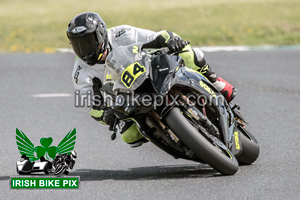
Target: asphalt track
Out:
[268,91]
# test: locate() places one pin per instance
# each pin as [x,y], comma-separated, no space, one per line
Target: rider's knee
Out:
[130,132]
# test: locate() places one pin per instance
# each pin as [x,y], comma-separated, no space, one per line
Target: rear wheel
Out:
[47,168]
[223,162]
[250,147]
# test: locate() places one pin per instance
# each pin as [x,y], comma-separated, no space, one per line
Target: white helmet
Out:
[73,154]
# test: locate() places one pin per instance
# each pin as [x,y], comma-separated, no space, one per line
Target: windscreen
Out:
[126,68]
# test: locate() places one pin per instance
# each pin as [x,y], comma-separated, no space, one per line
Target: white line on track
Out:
[64,50]
[51,95]
[228,48]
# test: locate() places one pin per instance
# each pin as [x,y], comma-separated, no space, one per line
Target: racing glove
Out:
[167,39]
[100,112]
[176,44]
[108,117]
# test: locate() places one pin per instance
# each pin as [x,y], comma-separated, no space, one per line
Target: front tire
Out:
[206,151]
[59,169]
[250,147]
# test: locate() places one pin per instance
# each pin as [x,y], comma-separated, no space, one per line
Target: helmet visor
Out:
[85,46]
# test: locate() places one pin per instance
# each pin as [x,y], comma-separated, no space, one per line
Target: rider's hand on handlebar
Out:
[109,117]
[176,44]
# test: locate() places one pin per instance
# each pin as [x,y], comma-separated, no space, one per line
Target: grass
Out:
[40,25]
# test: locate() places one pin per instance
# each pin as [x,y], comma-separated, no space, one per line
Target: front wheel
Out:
[250,147]
[225,163]
[59,169]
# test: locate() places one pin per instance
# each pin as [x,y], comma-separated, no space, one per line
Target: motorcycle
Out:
[177,108]
[63,162]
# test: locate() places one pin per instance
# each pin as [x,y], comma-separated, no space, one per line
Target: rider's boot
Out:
[226,89]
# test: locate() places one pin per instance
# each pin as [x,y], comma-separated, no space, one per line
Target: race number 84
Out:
[131,73]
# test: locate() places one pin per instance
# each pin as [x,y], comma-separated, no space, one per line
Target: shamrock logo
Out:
[45,148]
[27,148]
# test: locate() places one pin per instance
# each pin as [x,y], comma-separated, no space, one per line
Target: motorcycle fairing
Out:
[188,77]
[161,71]
[126,68]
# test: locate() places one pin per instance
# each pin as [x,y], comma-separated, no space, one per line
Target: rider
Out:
[92,42]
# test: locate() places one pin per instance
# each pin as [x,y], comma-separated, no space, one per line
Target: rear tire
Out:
[250,147]
[206,151]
